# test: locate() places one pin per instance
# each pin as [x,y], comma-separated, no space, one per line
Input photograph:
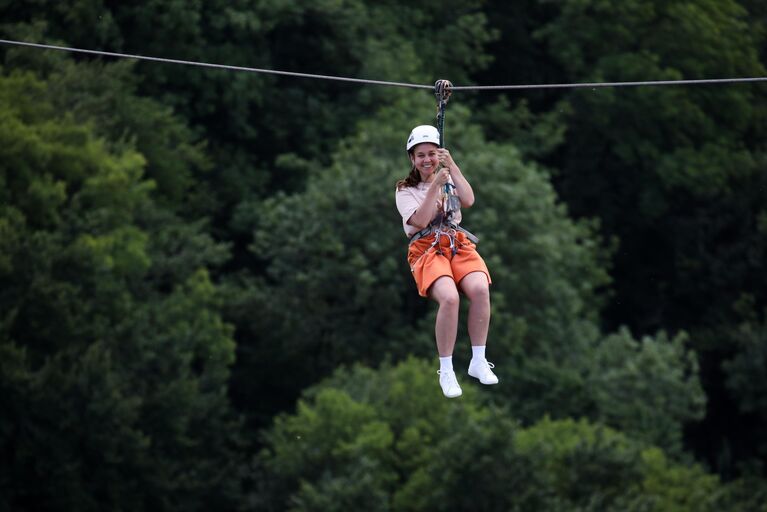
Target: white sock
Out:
[446,363]
[478,352]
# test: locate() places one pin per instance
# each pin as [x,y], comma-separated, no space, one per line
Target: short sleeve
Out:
[407,204]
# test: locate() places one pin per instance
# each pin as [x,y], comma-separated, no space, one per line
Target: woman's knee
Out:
[476,287]
[445,293]
[450,299]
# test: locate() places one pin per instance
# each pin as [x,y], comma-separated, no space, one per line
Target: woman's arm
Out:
[428,209]
[464,190]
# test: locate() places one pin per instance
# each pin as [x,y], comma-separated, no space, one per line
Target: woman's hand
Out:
[445,158]
[442,177]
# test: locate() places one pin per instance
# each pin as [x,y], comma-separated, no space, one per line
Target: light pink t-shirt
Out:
[409,199]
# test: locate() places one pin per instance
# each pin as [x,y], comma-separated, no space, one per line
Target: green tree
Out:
[387,440]
[668,170]
[105,96]
[746,382]
[675,173]
[114,369]
[648,389]
[119,178]
[252,119]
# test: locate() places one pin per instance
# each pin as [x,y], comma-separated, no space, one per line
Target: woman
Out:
[442,256]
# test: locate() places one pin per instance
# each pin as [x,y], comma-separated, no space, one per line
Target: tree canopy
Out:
[204,297]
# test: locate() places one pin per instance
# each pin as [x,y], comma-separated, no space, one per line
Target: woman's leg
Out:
[445,293]
[476,288]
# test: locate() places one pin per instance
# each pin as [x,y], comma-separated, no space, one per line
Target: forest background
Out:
[204,299]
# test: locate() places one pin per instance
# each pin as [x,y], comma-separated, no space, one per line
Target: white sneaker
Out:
[449,384]
[481,369]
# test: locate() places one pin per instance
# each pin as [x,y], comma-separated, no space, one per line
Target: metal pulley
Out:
[442,90]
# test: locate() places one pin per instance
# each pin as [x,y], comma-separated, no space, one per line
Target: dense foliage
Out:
[204,299]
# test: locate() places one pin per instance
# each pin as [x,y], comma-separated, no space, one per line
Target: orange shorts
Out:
[427,264]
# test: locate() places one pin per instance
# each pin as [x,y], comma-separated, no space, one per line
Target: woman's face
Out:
[424,158]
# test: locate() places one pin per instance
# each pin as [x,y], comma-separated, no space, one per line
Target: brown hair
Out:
[412,179]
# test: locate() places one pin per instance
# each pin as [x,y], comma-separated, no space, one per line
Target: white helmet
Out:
[423,133]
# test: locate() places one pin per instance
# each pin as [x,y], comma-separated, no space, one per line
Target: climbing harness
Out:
[439,227]
[443,225]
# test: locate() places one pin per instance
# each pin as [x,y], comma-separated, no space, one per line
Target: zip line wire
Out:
[381,82]
[216,66]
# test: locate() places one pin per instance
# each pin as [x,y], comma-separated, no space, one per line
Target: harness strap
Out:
[437,227]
